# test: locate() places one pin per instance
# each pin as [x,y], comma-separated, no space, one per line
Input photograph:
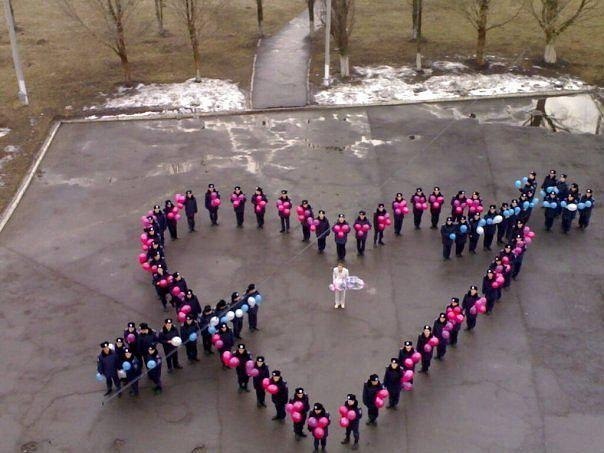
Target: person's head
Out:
[188,319]
[237,190]
[552,195]
[571,197]
[493,208]
[221,305]
[251,288]
[507,248]
[318,408]
[105,347]
[475,195]
[427,331]
[299,392]
[562,177]
[144,327]
[490,273]
[473,290]
[259,191]
[419,191]
[394,363]
[455,301]
[211,188]
[127,353]
[408,345]
[207,309]
[514,202]
[461,194]
[223,327]
[552,173]
[131,327]
[260,360]
[374,379]
[381,207]
[399,196]
[160,269]
[321,214]
[442,318]
[234,296]
[476,216]
[151,349]
[504,206]
[449,220]
[168,323]
[341,218]
[169,204]
[462,219]
[304,203]
[150,231]
[189,194]
[362,214]
[276,375]
[156,209]
[176,276]
[119,342]
[340,265]
[241,348]
[589,193]
[284,194]
[532,175]
[436,189]
[574,187]
[351,399]
[189,294]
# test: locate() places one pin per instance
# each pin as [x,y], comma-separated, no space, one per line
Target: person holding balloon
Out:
[259,201]
[371,398]
[162,222]
[318,425]
[408,357]
[468,305]
[160,283]
[361,227]
[259,376]
[284,205]
[436,199]
[150,236]
[253,298]
[178,282]
[424,346]
[224,342]
[212,202]
[456,321]
[156,249]
[447,233]
[206,334]
[299,404]
[461,236]
[238,200]
[569,212]
[353,413]
[399,209]
[341,230]
[502,227]
[551,204]
[392,381]
[489,289]
[107,366]
[380,221]
[243,356]
[192,301]
[277,387]
[489,227]
[458,204]
[237,321]
[131,337]
[438,330]
[474,204]
[304,212]
[168,337]
[154,364]
[189,332]
[475,230]
[132,367]
[146,337]
[170,212]
[157,260]
[322,230]
[588,203]
[550,180]
[419,203]
[190,205]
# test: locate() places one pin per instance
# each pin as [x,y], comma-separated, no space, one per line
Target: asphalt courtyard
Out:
[529,379]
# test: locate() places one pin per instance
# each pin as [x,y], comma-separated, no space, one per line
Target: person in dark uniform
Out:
[489,292]
[473,235]
[252,314]
[192,301]
[370,392]
[133,372]
[458,204]
[280,398]
[574,190]
[263,373]
[447,233]
[568,213]
[562,192]
[154,250]
[162,223]
[157,261]
[171,219]
[404,353]
[167,333]
[378,231]
[322,231]
[226,335]
[160,283]
[300,396]
[461,236]
[490,227]
[551,205]
[154,372]
[146,337]
[526,209]
[353,427]
[306,213]
[238,200]
[550,180]
[423,340]
[188,328]
[284,205]
[341,235]
[518,243]
[212,201]
[259,201]
[392,382]
[418,200]
[319,412]
[437,330]
[190,209]
[177,282]
[152,236]
[398,213]
[453,305]
[242,377]
[436,199]
[120,346]
[502,227]
[530,183]
[131,337]
[469,300]
[588,204]
[512,219]
[107,365]
[361,227]
[236,303]
[204,324]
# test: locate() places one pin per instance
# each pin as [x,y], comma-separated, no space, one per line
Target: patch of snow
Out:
[12,149]
[576,113]
[4,131]
[384,84]
[453,66]
[3,162]
[209,95]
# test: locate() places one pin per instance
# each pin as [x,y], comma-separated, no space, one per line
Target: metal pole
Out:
[10,22]
[327,39]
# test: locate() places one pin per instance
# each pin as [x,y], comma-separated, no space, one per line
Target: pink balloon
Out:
[482,309]
[358,226]
[312,422]
[154,269]
[318,433]
[343,411]
[215,338]
[397,211]
[528,240]
[301,218]
[446,334]
[266,382]
[408,363]
[407,375]
[416,357]
[216,202]
[458,210]
[405,210]
[495,285]
[213,195]
[280,207]
[366,227]
[300,210]
[279,202]
[254,372]
[175,210]
[177,216]
[418,205]
[258,208]
[434,341]
[263,203]
[219,344]
[407,386]
[451,315]
[344,422]
[449,326]
[436,205]
[337,228]
[170,215]
[313,227]
[142,258]
[175,291]
[457,310]
[428,347]
[180,205]
[287,204]
[144,238]
[272,389]
[381,219]
[181,316]
[381,226]
[298,406]
[351,415]
[473,311]
[296,417]
[163,282]
[131,338]
[379,402]
[286,211]
[323,422]
[460,318]
[236,203]
[424,205]
[289,407]
[234,362]
[456,203]
[432,199]
[186,309]
[341,234]
[388,222]
[383,393]
[345,228]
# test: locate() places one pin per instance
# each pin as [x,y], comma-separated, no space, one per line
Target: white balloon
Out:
[239,313]
[112,346]
[230,315]
[480,230]
[250,300]
[571,207]
[214,321]
[176,341]
[497,219]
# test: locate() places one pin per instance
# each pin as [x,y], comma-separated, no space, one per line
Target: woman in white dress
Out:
[340,274]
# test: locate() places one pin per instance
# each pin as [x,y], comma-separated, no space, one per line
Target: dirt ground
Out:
[382,31]
[65,69]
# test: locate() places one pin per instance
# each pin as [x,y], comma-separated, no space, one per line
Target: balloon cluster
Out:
[295,410]
[474,206]
[342,230]
[215,199]
[361,230]
[318,426]
[346,416]
[459,206]
[383,221]
[436,201]
[284,207]
[237,200]
[270,388]
[228,359]
[421,206]
[400,207]
[260,204]
[380,397]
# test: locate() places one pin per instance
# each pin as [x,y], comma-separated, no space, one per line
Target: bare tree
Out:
[342,22]
[260,16]
[555,16]
[479,13]
[160,5]
[108,21]
[199,18]
[311,14]
[417,7]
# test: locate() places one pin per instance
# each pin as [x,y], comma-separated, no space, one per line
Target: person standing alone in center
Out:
[340,274]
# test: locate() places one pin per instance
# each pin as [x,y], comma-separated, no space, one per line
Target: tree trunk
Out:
[159,15]
[344,65]
[122,51]
[480,45]
[126,68]
[311,14]
[549,55]
[260,14]
[418,38]
[195,50]
[414,15]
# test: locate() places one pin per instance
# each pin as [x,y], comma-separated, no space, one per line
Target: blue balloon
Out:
[463,228]
[245,308]
[151,364]
[525,205]
[517,210]
[193,336]
[525,180]
[542,194]
[489,221]
[546,204]
[556,190]
[482,222]
[563,204]
[224,320]
[588,204]
[535,200]
[518,184]
[581,206]
[506,213]
[553,205]
[126,366]
[258,298]
[100,377]
[211,330]
[531,205]
[550,189]
[452,236]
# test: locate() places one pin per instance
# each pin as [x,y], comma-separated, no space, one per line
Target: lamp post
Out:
[10,23]
[327,39]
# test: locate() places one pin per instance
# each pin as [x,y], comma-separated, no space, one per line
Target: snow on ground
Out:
[4,131]
[384,84]
[209,95]
[576,113]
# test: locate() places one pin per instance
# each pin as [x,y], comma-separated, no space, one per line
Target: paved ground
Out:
[528,380]
[280,76]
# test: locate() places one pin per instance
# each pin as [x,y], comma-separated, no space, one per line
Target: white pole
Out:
[10,22]
[327,39]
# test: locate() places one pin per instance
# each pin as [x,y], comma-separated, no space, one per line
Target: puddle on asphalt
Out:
[576,114]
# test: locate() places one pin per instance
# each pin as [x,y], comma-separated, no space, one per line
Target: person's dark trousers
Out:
[488,240]
[426,364]
[501,230]
[549,222]
[459,246]
[321,243]
[434,219]
[284,223]
[341,249]
[354,429]
[373,413]
[172,360]
[206,338]
[471,321]
[378,236]
[214,216]
[191,347]
[162,297]
[517,265]
[113,380]
[394,398]
[305,233]
[252,318]
[447,251]
[361,245]
[472,245]
[280,411]
[191,222]
[490,304]
[260,219]
[172,230]
[398,224]
[134,386]
[260,396]
[441,350]
[299,428]
[239,216]
[417,218]
[584,217]
[566,223]
[323,443]
[453,337]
